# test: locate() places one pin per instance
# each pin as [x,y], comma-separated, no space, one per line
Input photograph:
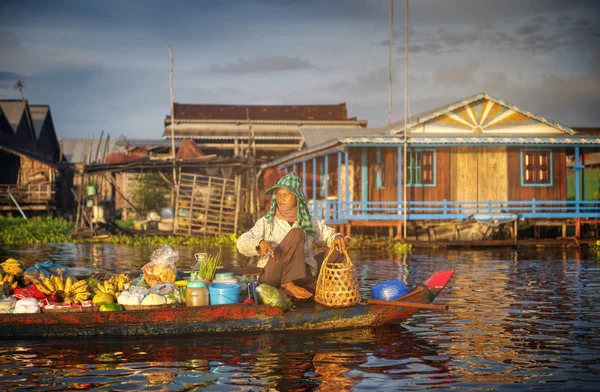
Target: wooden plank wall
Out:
[442,188]
[559,172]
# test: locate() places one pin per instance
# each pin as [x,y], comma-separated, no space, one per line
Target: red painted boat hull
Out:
[218,318]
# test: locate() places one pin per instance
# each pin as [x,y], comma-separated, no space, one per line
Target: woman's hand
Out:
[341,242]
[265,248]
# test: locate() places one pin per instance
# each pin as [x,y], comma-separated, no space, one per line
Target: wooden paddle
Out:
[400,304]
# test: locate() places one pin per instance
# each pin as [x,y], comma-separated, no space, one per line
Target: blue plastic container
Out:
[167,213]
[388,290]
[224,293]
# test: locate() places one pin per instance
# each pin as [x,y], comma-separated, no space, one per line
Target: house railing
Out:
[26,194]
[335,212]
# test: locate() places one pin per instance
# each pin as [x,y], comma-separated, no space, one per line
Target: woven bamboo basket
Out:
[337,285]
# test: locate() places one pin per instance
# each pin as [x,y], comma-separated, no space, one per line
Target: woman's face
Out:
[285,198]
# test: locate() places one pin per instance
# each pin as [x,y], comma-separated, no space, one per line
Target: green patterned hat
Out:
[292,182]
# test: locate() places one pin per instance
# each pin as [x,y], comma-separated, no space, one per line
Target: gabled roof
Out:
[422,118]
[201,112]
[13,110]
[38,116]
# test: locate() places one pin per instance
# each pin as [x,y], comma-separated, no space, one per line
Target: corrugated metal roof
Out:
[13,110]
[121,142]
[38,116]
[314,136]
[76,150]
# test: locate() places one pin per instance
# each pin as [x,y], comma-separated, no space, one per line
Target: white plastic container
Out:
[225,277]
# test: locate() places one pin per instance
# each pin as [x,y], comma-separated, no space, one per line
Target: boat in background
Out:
[170,320]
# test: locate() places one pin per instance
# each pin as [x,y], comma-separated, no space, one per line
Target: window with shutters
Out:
[536,168]
[421,167]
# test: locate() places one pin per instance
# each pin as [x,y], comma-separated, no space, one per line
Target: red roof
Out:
[587,131]
[262,112]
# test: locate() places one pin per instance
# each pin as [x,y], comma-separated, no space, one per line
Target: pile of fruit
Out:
[11,271]
[69,291]
[60,290]
[107,291]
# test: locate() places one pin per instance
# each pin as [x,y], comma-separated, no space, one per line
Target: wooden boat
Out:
[222,318]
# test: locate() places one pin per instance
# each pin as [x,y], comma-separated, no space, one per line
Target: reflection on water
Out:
[518,320]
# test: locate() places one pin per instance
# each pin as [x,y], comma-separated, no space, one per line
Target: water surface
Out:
[518,320]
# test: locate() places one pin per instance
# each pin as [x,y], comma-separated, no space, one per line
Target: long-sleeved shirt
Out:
[248,242]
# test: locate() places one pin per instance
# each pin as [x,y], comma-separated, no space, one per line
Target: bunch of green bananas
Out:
[13,266]
[10,280]
[93,283]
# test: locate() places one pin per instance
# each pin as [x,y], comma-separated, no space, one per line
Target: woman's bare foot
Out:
[295,291]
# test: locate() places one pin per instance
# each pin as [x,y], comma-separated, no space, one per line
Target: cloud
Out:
[260,65]
[375,81]
[569,101]
[530,29]
[9,76]
[464,75]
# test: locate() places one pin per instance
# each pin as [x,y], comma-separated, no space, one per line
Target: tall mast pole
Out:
[405,163]
[390,61]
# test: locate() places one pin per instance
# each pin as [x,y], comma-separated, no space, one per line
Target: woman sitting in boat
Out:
[284,239]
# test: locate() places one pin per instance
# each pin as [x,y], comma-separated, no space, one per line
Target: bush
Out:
[150,193]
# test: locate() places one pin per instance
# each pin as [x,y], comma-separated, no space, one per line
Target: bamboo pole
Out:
[174,192]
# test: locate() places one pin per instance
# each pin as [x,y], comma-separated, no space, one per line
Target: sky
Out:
[104,65]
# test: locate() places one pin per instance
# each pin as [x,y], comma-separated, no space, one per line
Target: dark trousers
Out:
[288,265]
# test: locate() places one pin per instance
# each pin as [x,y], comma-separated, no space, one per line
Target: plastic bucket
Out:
[224,293]
[388,290]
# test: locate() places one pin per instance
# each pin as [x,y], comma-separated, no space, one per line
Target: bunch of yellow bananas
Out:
[13,266]
[52,285]
[107,287]
[76,291]
[121,282]
[10,280]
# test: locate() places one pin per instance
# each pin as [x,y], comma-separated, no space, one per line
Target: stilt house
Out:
[479,160]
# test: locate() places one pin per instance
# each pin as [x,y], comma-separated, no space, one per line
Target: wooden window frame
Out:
[536,167]
[425,172]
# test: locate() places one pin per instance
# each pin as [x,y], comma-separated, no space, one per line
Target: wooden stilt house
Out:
[478,160]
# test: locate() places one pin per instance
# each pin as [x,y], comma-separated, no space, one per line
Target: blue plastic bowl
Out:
[224,293]
[388,290]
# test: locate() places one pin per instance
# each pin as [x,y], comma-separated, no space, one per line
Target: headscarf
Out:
[291,182]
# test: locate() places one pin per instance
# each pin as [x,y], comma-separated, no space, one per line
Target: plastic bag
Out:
[165,255]
[161,268]
[29,292]
[272,296]
[56,269]
[170,291]
[7,304]
[39,271]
